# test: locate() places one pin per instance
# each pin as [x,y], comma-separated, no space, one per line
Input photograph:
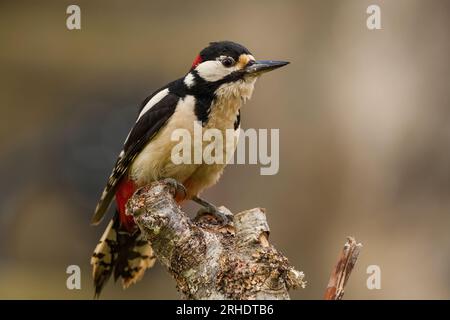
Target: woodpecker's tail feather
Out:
[121,253]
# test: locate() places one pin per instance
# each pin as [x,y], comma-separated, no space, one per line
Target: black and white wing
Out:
[155,112]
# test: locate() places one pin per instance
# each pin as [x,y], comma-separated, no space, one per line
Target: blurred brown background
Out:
[363,117]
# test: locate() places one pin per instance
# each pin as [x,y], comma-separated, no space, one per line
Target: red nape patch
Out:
[124,192]
[197,61]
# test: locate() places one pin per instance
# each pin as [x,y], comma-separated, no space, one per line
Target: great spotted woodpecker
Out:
[221,78]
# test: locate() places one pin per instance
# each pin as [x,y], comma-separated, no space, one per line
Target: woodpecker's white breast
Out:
[224,111]
[154,161]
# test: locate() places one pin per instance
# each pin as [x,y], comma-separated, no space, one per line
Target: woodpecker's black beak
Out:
[258,67]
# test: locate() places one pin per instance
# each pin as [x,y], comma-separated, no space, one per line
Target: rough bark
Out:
[341,272]
[207,259]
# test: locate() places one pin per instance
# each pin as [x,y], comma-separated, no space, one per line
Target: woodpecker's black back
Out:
[143,131]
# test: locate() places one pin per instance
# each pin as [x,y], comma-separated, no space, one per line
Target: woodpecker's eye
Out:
[228,62]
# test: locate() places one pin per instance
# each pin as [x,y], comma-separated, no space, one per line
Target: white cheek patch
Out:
[213,70]
[157,98]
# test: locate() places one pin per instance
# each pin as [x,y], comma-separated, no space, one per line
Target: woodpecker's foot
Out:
[212,209]
[179,190]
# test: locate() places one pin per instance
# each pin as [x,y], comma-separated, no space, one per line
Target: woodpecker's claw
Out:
[180,190]
[212,209]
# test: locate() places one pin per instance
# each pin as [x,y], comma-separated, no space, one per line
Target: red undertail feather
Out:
[124,192]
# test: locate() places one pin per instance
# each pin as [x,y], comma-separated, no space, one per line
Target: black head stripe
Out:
[223,48]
